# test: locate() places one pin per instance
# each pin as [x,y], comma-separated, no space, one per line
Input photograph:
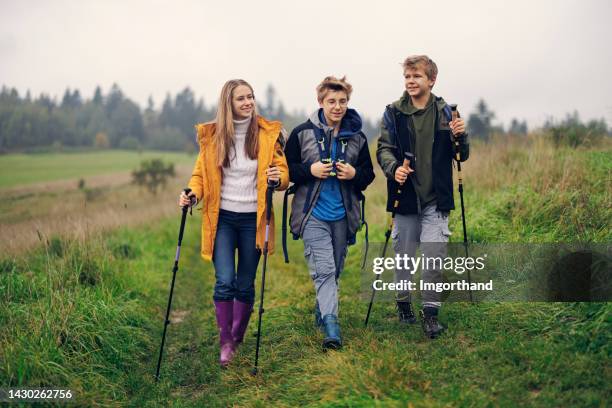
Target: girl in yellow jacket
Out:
[239,153]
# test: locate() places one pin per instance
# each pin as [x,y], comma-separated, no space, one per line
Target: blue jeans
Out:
[235,231]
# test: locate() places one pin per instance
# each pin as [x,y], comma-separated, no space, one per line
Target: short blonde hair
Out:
[331,83]
[430,67]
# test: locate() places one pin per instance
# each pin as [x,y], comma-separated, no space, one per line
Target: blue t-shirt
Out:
[329,206]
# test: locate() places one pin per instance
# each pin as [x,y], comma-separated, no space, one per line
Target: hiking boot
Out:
[224,314]
[430,324]
[405,313]
[332,338]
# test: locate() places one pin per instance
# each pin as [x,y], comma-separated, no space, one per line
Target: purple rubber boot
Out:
[224,312]
[242,314]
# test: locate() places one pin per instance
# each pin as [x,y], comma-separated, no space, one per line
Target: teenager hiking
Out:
[240,153]
[329,164]
[419,123]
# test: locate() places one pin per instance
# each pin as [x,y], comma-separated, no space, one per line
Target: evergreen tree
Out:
[517,127]
[479,123]
[98,98]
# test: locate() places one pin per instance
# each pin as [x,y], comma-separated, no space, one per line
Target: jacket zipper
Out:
[411,178]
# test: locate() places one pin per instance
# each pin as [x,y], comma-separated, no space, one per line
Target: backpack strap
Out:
[341,155]
[447,113]
[319,136]
[391,124]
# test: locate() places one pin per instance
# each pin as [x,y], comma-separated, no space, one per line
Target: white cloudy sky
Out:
[529,59]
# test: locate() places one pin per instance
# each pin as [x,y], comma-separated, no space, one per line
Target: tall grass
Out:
[87,314]
[534,191]
[73,314]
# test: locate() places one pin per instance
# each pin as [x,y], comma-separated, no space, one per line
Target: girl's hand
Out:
[185,200]
[273,174]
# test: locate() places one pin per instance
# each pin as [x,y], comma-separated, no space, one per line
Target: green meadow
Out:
[88,314]
[23,169]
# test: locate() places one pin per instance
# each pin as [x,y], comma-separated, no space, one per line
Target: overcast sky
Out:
[528,59]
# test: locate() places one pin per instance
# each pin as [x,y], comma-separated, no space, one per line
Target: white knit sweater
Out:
[239,186]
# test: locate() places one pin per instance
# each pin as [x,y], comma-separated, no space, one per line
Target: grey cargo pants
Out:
[325,248]
[430,230]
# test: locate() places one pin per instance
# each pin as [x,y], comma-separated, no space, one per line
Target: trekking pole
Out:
[460,177]
[408,158]
[269,192]
[174,269]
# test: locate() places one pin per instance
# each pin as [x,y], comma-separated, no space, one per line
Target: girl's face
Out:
[243,102]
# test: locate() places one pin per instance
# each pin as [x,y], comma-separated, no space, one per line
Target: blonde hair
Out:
[331,83]
[224,132]
[430,67]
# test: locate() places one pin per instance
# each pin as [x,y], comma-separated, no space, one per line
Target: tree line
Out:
[568,131]
[109,120]
[112,120]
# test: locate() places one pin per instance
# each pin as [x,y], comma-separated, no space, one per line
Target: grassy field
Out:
[23,169]
[88,315]
[33,210]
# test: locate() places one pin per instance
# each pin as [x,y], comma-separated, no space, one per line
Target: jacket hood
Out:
[350,125]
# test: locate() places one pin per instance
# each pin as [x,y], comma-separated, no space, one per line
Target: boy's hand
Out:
[401,174]
[457,126]
[320,170]
[345,171]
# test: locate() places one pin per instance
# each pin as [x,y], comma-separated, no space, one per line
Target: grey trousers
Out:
[325,248]
[430,231]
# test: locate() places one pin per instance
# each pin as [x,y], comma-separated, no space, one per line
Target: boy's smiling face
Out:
[334,104]
[417,83]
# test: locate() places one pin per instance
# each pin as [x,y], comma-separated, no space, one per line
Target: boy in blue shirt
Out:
[329,164]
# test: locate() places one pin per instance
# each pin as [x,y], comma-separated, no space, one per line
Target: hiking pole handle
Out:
[182,227]
[405,165]
[187,190]
[408,160]
[454,116]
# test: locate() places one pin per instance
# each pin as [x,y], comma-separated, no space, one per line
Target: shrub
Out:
[153,174]
[126,250]
[129,143]
[56,247]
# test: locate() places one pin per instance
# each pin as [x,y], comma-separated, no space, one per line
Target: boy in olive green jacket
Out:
[420,123]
